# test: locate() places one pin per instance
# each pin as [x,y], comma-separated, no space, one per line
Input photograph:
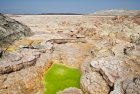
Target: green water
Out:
[59,77]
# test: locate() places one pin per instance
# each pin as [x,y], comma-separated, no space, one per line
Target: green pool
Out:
[59,77]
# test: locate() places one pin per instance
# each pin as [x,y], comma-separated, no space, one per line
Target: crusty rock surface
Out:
[21,71]
[121,62]
[93,83]
[116,68]
[18,60]
[130,85]
[115,56]
[70,90]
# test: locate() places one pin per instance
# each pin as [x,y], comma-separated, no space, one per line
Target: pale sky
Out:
[65,6]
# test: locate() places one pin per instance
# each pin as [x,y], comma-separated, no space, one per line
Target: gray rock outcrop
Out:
[11,30]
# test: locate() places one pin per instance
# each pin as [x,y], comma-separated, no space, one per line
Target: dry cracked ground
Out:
[105,48]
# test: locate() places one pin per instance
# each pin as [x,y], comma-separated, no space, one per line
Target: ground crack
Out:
[110,84]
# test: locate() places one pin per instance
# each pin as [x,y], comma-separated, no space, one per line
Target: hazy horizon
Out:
[65,6]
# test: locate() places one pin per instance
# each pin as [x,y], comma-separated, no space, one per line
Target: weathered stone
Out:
[131,85]
[70,90]
[93,83]
[11,30]
[8,67]
[116,67]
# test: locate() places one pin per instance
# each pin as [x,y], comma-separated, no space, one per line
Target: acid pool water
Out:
[58,77]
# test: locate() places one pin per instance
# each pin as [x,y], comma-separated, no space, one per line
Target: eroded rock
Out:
[11,30]
[116,68]
[70,90]
[19,60]
[7,67]
[131,85]
[93,83]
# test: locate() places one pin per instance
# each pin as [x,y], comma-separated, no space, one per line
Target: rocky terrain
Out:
[105,48]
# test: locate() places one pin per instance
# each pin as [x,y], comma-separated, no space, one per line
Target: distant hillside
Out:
[60,14]
[50,14]
[115,12]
